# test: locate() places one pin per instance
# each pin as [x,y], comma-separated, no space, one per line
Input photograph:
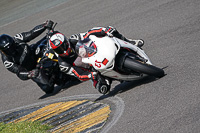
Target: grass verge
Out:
[24,127]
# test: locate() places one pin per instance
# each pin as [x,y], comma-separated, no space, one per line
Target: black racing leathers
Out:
[24,60]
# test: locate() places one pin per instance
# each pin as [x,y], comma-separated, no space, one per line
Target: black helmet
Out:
[7,44]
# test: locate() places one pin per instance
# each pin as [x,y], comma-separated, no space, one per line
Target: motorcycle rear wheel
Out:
[144,68]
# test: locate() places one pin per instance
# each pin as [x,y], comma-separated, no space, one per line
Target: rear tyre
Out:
[140,67]
[46,88]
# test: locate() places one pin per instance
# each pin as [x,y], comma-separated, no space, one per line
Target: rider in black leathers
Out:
[20,58]
[65,48]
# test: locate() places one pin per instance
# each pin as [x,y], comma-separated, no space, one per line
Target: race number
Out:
[98,64]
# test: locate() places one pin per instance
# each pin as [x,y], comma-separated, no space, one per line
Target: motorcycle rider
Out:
[20,58]
[68,58]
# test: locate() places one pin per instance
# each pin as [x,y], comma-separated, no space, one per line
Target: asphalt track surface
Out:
[171,30]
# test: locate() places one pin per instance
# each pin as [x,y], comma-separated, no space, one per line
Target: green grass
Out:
[24,127]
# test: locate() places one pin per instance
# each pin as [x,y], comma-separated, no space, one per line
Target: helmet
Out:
[7,44]
[86,48]
[60,44]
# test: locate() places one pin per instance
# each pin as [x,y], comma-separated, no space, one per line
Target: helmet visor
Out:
[10,50]
[86,48]
[61,47]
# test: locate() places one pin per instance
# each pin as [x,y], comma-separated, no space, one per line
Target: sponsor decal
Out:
[37,51]
[50,55]
[8,64]
[19,36]
[38,60]
[105,61]
[64,68]
[6,45]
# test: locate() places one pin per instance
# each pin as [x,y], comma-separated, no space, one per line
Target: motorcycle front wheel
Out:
[144,68]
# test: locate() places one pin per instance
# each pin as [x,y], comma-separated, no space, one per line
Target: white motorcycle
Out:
[116,59]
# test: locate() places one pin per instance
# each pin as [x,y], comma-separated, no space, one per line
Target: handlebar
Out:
[48,35]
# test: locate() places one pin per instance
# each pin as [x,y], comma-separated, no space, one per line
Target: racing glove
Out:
[33,74]
[109,31]
[104,33]
[48,24]
[102,85]
[93,75]
[109,34]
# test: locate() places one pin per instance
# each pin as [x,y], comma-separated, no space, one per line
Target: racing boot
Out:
[102,85]
[104,89]
[139,43]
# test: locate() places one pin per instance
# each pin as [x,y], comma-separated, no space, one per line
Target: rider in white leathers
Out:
[68,60]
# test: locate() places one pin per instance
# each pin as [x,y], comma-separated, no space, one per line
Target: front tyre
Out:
[140,67]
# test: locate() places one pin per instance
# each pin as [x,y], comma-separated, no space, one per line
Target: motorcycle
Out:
[49,71]
[116,59]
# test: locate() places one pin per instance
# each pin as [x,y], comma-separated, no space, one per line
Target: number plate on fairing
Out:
[105,56]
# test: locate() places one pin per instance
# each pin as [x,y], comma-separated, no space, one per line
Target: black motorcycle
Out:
[49,71]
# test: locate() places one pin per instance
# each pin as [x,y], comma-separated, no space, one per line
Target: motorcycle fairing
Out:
[104,58]
[108,48]
[138,50]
